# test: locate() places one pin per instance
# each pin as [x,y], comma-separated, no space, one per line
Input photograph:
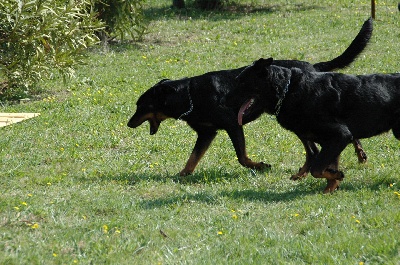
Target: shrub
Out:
[39,36]
[122,17]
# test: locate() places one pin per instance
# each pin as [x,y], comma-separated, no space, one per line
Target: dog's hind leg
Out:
[311,152]
[237,137]
[203,141]
[362,156]
[326,164]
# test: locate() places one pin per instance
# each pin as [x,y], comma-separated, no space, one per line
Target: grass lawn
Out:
[79,187]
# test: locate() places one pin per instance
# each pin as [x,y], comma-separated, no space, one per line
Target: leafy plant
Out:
[39,36]
[122,17]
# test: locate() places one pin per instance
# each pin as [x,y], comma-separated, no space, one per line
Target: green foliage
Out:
[39,36]
[122,17]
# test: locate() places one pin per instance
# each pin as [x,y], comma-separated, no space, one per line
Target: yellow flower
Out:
[220,233]
[24,203]
[296,214]
[35,226]
[105,229]
[234,216]
[54,254]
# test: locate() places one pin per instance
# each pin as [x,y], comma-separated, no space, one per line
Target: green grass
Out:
[79,187]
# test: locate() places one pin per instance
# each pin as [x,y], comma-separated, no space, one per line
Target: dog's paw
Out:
[333,184]
[185,172]
[300,175]
[261,166]
[362,156]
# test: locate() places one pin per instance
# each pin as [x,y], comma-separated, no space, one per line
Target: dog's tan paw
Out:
[300,175]
[333,184]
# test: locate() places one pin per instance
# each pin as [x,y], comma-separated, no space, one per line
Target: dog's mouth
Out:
[153,119]
[245,109]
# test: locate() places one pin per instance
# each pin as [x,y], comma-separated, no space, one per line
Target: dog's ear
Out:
[162,90]
[162,81]
[178,94]
[263,63]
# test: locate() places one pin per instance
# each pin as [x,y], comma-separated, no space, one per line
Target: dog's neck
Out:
[190,108]
[281,98]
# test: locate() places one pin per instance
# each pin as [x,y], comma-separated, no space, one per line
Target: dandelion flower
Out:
[220,233]
[35,226]
[105,229]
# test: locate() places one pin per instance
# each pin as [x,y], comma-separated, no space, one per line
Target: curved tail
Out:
[351,53]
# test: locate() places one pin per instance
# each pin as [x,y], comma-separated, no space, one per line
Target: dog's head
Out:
[259,87]
[160,102]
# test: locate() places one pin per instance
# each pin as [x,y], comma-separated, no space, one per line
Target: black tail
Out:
[351,53]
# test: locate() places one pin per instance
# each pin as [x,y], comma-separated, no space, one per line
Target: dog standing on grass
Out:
[331,109]
[197,100]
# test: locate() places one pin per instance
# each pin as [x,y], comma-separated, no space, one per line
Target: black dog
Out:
[331,109]
[197,101]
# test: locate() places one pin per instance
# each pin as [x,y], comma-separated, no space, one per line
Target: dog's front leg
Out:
[203,141]
[311,151]
[237,137]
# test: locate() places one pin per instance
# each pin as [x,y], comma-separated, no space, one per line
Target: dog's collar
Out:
[280,100]
[191,106]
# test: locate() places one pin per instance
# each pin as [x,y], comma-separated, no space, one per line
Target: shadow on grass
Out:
[267,194]
[199,177]
[215,198]
[231,11]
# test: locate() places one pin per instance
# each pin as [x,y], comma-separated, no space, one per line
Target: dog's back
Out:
[367,104]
